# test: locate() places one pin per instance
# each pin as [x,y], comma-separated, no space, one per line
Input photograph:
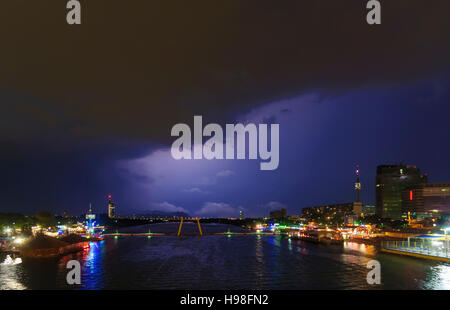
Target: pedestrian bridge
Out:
[200,232]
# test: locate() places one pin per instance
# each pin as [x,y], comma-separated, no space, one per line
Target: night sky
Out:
[86,110]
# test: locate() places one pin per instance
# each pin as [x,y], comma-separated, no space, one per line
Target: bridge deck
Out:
[189,234]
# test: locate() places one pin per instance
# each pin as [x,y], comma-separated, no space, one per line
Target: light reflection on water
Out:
[439,279]
[224,262]
[10,278]
[358,253]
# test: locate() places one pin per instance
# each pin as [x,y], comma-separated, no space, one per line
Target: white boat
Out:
[10,261]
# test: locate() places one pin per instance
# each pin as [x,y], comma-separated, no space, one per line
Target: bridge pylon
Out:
[198,224]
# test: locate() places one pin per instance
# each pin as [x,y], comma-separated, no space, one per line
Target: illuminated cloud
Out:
[217,209]
[225,173]
[273,205]
[195,190]
[168,207]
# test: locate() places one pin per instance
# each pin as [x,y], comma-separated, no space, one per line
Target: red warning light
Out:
[109,196]
[410,195]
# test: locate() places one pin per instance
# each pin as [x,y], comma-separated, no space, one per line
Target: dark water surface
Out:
[222,262]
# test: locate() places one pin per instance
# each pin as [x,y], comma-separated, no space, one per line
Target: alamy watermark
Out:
[374,275]
[73,16]
[74,274]
[235,142]
[373,17]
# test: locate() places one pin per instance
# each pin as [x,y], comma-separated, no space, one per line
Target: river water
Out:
[222,262]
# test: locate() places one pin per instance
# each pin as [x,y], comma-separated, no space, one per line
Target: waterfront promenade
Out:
[428,247]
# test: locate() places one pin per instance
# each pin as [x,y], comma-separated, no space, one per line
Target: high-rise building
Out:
[391,181]
[427,200]
[241,215]
[111,208]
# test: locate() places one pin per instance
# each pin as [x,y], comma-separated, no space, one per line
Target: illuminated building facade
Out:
[368,210]
[391,181]
[427,200]
[111,208]
[332,214]
[90,218]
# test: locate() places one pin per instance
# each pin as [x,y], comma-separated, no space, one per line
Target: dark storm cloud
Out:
[75,99]
[134,68]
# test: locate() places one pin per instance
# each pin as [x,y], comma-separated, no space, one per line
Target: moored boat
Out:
[320,236]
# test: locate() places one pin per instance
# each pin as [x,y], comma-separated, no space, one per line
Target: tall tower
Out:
[111,208]
[357,183]
[90,217]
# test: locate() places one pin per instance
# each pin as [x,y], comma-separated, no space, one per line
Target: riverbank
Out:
[42,246]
